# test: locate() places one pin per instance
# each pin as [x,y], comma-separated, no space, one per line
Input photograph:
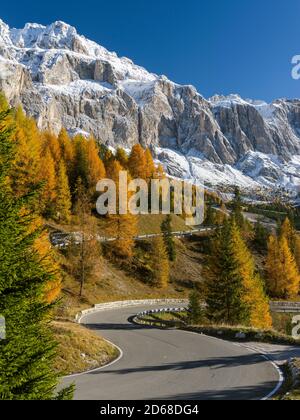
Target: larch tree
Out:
[47,175]
[96,168]
[28,350]
[159,172]
[288,231]
[159,263]
[122,157]
[283,277]
[81,164]
[28,152]
[297,251]
[67,150]
[48,258]
[137,162]
[237,209]
[51,143]
[63,202]
[253,297]
[86,255]
[122,227]
[150,166]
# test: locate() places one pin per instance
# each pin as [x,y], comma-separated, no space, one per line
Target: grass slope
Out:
[79,349]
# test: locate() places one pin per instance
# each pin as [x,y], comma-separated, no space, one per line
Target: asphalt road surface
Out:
[171,365]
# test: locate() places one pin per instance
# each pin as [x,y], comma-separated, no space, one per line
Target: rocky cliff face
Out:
[63,79]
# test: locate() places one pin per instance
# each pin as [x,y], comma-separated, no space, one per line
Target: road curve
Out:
[171,365]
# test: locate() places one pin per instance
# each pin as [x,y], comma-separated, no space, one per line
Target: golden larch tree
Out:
[48,176]
[121,227]
[297,251]
[63,202]
[137,162]
[150,166]
[288,231]
[67,149]
[51,142]
[96,168]
[159,263]
[253,297]
[27,163]
[122,157]
[282,271]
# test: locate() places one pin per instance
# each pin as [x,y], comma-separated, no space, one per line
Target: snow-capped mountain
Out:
[64,79]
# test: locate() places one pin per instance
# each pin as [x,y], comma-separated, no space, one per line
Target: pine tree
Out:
[196,313]
[235,291]
[137,162]
[27,353]
[260,237]
[63,203]
[166,228]
[210,219]
[159,262]
[224,285]
[237,209]
[221,215]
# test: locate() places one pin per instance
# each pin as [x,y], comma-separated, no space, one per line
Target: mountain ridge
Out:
[65,80]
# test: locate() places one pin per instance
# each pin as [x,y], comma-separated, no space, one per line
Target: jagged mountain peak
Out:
[65,80]
[55,35]
[35,44]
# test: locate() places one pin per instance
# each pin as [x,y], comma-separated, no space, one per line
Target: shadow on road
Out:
[116,327]
[211,363]
[257,392]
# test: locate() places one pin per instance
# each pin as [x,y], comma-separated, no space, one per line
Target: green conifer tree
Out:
[196,313]
[166,228]
[28,350]
[224,286]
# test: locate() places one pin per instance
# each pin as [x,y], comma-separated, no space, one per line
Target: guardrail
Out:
[283,307]
[64,239]
[141,320]
[293,307]
[127,304]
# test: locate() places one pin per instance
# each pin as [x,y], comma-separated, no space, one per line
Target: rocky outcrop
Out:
[65,80]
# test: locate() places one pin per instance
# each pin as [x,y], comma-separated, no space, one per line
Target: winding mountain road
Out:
[171,365]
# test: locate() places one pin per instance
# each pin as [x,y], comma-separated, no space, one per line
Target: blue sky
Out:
[220,46]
